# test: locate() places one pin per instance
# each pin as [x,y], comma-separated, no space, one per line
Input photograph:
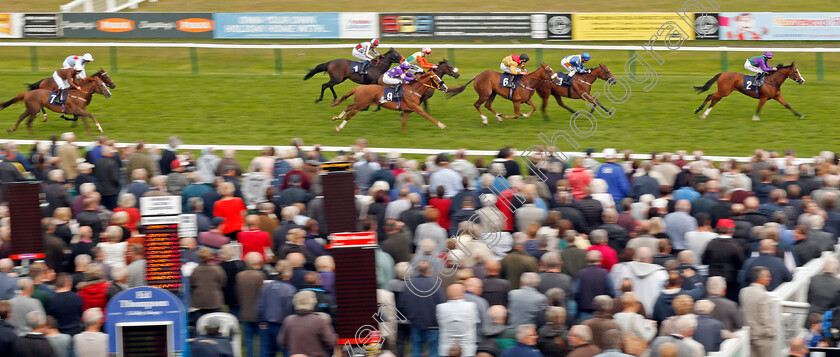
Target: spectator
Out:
[824,289]
[797,348]
[207,164]
[66,306]
[119,276]
[231,209]
[726,311]
[189,250]
[631,322]
[551,275]
[458,319]
[34,343]
[325,265]
[526,341]
[274,304]
[138,186]
[206,283]
[107,171]
[724,256]
[612,341]
[325,303]
[249,282]
[591,282]
[580,338]
[517,261]
[495,288]
[684,328]
[90,218]
[7,283]
[757,315]
[663,307]
[678,223]
[609,256]
[573,257]
[255,240]
[602,321]
[398,241]
[139,159]
[614,175]
[213,238]
[431,230]
[287,214]
[137,267]
[68,155]
[526,302]
[708,329]
[618,235]
[23,304]
[446,177]
[231,265]
[421,310]
[176,181]
[211,343]
[8,336]
[56,192]
[168,155]
[94,289]
[697,240]
[553,333]
[60,342]
[114,248]
[646,278]
[767,259]
[91,342]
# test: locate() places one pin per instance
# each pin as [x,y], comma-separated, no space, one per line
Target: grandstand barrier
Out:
[408,151]
[818,51]
[100,5]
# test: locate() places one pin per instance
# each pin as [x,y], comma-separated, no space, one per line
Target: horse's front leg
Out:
[782,101]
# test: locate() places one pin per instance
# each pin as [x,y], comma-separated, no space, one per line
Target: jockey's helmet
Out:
[405,65]
[524,58]
[78,67]
[374,42]
[87,57]
[585,56]
[768,54]
[427,50]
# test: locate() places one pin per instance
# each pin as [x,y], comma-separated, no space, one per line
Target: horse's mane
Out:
[442,62]
[780,66]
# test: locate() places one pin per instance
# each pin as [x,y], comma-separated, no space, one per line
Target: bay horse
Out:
[49,84]
[339,71]
[728,82]
[579,89]
[76,103]
[487,86]
[366,95]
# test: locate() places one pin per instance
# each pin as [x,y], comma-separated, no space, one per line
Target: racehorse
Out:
[444,68]
[339,71]
[76,103]
[772,88]
[370,94]
[487,86]
[49,84]
[579,89]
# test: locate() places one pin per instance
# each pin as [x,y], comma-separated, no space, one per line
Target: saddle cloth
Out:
[509,80]
[749,84]
[393,93]
[356,67]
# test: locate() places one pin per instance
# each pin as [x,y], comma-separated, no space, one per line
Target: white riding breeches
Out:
[391,80]
[362,56]
[505,69]
[749,66]
[61,82]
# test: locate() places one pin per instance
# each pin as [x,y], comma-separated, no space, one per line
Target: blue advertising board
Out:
[277,25]
[146,318]
[779,26]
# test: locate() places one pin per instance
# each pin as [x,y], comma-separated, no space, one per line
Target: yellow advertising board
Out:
[625,26]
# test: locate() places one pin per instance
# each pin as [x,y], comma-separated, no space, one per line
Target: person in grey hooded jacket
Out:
[647,278]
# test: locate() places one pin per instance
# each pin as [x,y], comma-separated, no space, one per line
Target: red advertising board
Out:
[352,240]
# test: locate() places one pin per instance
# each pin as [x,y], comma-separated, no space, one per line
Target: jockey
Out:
[418,60]
[396,76]
[514,64]
[758,65]
[66,77]
[71,61]
[366,51]
[575,63]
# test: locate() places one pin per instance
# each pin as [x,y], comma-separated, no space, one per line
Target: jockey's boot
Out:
[364,68]
[759,79]
[62,96]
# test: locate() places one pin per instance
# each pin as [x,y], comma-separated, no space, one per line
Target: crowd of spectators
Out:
[663,257]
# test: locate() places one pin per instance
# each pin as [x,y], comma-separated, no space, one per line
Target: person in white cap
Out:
[613,174]
[72,60]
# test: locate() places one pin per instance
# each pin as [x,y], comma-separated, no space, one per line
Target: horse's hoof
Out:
[337,129]
[100,128]
[703,116]
[526,115]
[10,130]
[441,125]
[801,116]
[335,118]
[318,100]
[755,117]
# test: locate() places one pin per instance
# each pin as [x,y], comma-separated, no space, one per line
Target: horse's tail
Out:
[14,100]
[708,84]
[457,90]
[318,69]
[35,85]
[349,94]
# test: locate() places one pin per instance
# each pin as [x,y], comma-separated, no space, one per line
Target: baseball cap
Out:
[85,166]
[726,223]
[609,153]
[175,164]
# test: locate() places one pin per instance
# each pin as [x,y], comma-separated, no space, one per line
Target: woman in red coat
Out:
[231,209]
[94,289]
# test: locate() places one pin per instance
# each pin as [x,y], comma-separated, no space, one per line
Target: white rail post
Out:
[88,5]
